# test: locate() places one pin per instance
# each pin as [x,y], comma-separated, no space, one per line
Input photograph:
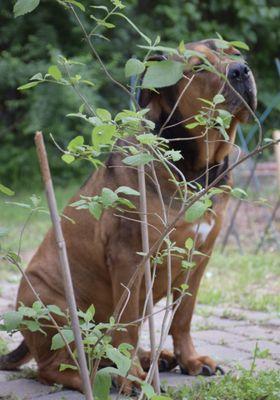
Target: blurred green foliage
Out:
[30,44]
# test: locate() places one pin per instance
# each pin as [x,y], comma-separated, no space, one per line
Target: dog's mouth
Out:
[240,91]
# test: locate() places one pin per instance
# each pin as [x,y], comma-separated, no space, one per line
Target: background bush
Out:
[31,43]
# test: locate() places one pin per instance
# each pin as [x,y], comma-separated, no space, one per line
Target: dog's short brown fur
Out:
[103,254]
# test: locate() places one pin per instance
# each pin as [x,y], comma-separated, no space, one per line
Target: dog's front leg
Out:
[121,270]
[189,360]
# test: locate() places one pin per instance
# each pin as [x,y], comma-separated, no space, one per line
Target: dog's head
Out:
[227,73]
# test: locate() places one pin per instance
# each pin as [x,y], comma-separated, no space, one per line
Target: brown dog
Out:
[103,254]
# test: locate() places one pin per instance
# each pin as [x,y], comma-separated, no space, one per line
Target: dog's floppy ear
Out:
[146,95]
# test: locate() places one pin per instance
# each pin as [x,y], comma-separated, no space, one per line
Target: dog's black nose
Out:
[238,71]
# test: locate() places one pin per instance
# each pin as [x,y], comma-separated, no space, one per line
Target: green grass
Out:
[264,385]
[250,281]
[3,346]
[14,217]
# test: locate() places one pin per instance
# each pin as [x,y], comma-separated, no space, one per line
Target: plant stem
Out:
[148,278]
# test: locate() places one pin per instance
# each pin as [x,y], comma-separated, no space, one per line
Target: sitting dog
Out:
[103,254]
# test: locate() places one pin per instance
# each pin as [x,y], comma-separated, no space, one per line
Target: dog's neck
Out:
[193,165]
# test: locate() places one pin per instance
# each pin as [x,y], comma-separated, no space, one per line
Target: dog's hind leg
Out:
[48,371]
[13,360]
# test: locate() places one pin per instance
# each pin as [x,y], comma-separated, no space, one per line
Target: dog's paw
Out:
[166,361]
[201,365]
[130,387]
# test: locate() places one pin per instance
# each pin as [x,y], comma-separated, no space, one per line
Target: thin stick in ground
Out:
[65,268]
[148,279]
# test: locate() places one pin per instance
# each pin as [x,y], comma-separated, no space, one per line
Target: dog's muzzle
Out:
[241,79]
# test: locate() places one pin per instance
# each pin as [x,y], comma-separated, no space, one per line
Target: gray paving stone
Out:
[254,332]
[4,376]
[25,388]
[261,364]
[217,337]
[222,353]
[224,323]
[62,395]
[176,379]
[273,322]
[250,346]
[248,314]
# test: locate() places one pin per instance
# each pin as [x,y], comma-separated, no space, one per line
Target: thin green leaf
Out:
[219,98]
[4,189]
[108,197]
[25,6]
[95,209]
[28,85]
[122,362]
[75,143]
[103,114]
[127,190]
[12,320]
[240,45]
[77,4]
[138,159]
[133,67]
[58,342]
[163,73]
[102,385]
[195,211]
[55,310]
[68,158]
[192,125]
[189,243]
[63,367]
[55,72]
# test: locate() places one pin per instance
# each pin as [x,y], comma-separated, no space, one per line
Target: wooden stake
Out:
[64,263]
[148,278]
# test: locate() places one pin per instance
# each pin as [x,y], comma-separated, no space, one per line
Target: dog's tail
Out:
[15,358]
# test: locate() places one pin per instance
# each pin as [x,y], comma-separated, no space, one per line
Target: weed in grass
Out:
[229,314]
[3,347]
[223,342]
[24,373]
[203,312]
[265,353]
[204,327]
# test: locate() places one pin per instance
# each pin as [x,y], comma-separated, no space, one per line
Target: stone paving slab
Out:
[255,332]
[4,376]
[250,345]
[24,388]
[260,364]
[64,395]
[222,353]
[217,337]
